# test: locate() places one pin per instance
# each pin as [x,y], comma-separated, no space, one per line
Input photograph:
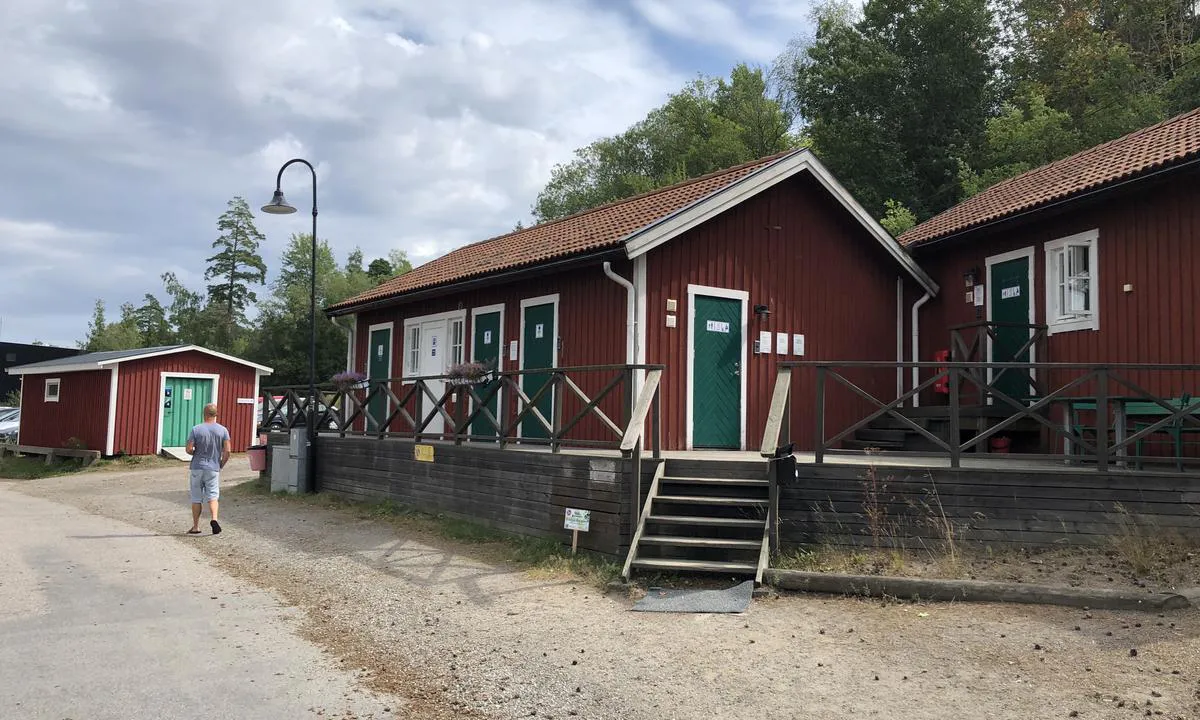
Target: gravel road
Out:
[452,636]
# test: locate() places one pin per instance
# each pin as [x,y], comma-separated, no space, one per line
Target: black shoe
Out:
[216,526]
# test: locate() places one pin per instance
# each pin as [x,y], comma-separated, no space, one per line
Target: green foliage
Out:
[105,336]
[712,123]
[237,265]
[897,218]
[13,399]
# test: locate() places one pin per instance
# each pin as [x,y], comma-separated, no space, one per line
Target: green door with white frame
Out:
[379,369]
[1010,298]
[538,345]
[486,347]
[716,373]
[183,404]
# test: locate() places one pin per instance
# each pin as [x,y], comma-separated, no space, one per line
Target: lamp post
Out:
[280,206]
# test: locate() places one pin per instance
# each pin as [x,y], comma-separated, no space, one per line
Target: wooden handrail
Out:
[637,419]
[778,414]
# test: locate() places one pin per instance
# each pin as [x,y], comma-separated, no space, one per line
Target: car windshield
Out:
[9,414]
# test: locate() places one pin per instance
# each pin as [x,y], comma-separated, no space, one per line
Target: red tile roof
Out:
[602,227]
[1147,149]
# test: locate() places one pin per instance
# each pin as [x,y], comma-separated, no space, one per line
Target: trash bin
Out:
[258,457]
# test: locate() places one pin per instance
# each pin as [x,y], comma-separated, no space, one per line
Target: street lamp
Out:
[280,206]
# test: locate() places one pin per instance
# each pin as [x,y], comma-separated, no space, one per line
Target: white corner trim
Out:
[1091,321]
[651,236]
[1028,254]
[726,293]
[162,386]
[57,382]
[255,407]
[533,302]
[111,435]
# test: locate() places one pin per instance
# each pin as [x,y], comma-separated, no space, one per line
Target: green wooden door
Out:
[538,344]
[486,347]
[716,373]
[1009,288]
[379,368]
[183,408]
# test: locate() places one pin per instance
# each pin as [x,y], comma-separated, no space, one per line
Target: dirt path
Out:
[458,637]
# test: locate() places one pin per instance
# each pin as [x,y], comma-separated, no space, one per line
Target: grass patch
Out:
[543,558]
[17,467]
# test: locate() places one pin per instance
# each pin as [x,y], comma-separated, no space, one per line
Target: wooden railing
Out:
[972,343]
[410,407]
[1108,390]
[777,448]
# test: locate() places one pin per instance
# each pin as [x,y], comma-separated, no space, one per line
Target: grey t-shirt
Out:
[209,439]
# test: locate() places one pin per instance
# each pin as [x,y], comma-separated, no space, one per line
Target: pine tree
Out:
[236,266]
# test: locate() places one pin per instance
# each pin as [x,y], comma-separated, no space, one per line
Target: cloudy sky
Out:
[126,125]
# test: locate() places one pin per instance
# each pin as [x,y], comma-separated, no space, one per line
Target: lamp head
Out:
[278,205]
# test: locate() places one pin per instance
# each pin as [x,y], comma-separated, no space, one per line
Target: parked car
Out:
[10,420]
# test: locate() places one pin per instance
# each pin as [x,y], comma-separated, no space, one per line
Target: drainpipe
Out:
[899,336]
[630,317]
[916,345]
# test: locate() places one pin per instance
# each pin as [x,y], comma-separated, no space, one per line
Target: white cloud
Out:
[126,127]
[756,31]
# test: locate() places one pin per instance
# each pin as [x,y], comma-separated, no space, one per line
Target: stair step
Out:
[713,481]
[880,435]
[709,521]
[698,565]
[701,542]
[701,500]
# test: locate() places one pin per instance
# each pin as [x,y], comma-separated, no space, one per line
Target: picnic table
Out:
[1143,412]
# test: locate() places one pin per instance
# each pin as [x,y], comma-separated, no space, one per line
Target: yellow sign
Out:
[423,453]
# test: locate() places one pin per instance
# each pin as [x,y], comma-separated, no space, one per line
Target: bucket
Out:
[258,457]
[1000,444]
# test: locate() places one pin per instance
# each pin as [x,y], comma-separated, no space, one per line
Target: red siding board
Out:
[81,412]
[137,431]
[797,252]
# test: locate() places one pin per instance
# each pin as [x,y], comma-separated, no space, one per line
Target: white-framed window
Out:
[1072,288]
[52,388]
[412,350]
[457,328]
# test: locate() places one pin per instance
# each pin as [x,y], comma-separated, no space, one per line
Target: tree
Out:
[898,219]
[237,265]
[896,99]
[710,124]
[105,336]
[152,324]
[379,270]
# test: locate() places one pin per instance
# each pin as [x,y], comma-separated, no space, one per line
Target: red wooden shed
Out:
[136,402]
[717,278]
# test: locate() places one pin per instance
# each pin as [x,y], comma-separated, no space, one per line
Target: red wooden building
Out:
[136,402]
[1100,248]
[717,279]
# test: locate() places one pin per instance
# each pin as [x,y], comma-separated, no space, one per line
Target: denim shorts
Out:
[205,485]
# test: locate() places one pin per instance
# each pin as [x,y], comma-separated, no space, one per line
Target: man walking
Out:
[208,444]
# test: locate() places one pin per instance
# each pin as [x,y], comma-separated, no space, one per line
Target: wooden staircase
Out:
[703,517]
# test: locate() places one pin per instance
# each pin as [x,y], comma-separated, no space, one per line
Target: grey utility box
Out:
[289,464]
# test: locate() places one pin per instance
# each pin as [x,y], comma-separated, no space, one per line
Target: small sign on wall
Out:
[797,344]
[487,337]
[512,351]
[781,343]
[978,296]
[1009,293]
[577,520]
[187,393]
[423,453]
[539,330]
[717,326]
[764,342]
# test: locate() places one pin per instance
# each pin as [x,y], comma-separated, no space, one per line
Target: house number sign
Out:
[717,326]
[1010,292]
[539,330]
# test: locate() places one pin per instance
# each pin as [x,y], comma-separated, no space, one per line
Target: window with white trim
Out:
[412,351]
[1072,291]
[52,388]
[456,341]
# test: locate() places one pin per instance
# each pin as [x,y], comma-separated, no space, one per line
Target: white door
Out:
[433,362]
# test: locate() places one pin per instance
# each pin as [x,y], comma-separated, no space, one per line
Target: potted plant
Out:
[349,380]
[468,373]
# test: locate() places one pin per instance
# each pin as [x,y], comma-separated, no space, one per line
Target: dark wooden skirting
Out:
[829,504]
[518,492]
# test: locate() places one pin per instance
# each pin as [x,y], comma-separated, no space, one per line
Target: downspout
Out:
[916,345]
[899,336]
[630,318]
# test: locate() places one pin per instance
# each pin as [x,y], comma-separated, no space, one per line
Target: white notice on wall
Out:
[576,519]
[539,330]
[187,393]
[487,337]
[1010,292]
[978,296]
[781,343]
[718,326]
[379,351]
[797,344]
[512,351]
[764,342]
